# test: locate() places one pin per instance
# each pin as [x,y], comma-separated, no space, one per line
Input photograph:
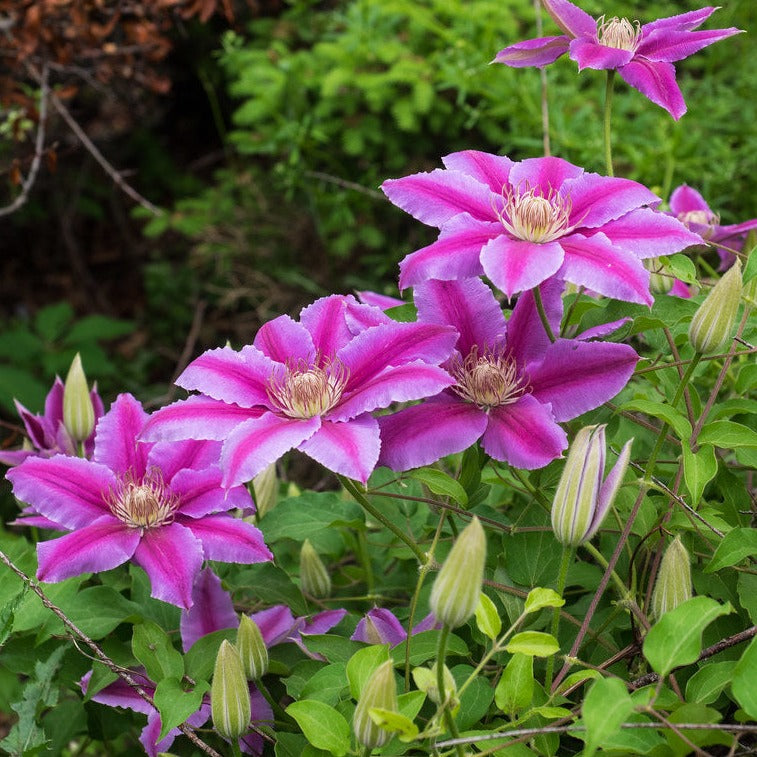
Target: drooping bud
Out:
[583,496]
[229,694]
[314,578]
[456,589]
[380,690]
[660,279]
[673,585]
[712,325]
[264,486]
[425,680]
[252,649]
[78,410]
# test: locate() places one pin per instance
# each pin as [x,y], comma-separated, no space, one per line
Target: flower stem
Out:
[443,703]
[543,313]
[567,558]
[362,500]
[609,87]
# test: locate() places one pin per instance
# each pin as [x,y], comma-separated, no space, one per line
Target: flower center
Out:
[308,390]
[531,216]
[143,503]
[488,380]
[700,218]
[619,33]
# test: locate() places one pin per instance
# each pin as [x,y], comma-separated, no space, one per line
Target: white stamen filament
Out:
[143,503]
[619,33]
[488,380]
[534,217]
[306,391]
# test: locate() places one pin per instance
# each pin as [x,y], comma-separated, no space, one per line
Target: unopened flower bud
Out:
[380,690]
[265,486]
[456,590]
[252,649]
[229,694]
[660,279]
[583,495]
[425,680]
[712,325]
[78,410]
[314,578]
[673,585]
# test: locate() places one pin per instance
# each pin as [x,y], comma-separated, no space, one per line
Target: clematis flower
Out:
[309,385]
[689,207]
[512,385]
[161,505]
[642,55]
[522,223]
[380,626]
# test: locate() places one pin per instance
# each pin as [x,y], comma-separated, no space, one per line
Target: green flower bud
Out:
[229,694]
[265,486]
[660,279]
[314,578]
[380,690]
[425,680]
[78,410]
[711,327]
[583,498]
[456,590]
[252,649]
[673,585]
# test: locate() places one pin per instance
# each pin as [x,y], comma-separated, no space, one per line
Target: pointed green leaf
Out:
[538,598]
[605,708]
[394,722]
[515,688]
[736,545]
[699,468]
[440,483]
[728,434]
[744,677]
[362,664]
[533,643]
[323,726]
[153,648]
[487,617]
[175,704]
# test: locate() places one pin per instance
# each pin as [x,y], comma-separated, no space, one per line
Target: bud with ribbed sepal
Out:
[78,410]
[314,577]
[673,586]
[229,694]
[380,690]
[711,327]
[252,649]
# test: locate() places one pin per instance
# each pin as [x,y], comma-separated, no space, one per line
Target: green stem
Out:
[602,560]
[362,500]
[543,314]
[366,751]
[365,558]
[567,558]
[443,704]
[609,87]
[235,750]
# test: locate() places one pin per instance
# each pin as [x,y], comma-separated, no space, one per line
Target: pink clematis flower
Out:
[689,207]
[512,385]
[309,385]
[522,223]
[380,626]
[161,505]
[642,55]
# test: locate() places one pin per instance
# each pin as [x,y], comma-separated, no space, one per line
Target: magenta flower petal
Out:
[350,449]
[116,437]
[597,199]
[379,626]
[690,20]
[548,174]
[455,254]
[229,539]
[256,443]
[596,264]
[657,81]
[333,321]
[603,329]
[672,45]
[198,417]
[201,492]
[171,457]
[589,53]
[67,490]
[434,198]
[468,306]
[284,339]
[383,301]
[527,339]
[172,557]
[421,434]
[322,622]
[275,624]
[211,610]
[492,170]
[235,377]
[514,265]
[524,434]
[570,18]
[103,545]
[538,52]
[576,377]
[120,694]
[649,234]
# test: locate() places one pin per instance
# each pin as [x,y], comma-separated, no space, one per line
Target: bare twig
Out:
[39,144]
[345,184]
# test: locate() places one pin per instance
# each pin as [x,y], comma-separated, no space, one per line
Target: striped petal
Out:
[228,539]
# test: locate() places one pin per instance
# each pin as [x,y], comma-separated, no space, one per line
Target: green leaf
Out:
[533,643]
[750,269]
[699,468]
[709,681]
[53,320]
[532,558]
[326,684]
[153,648]
[487,617]
[736,545]
[676,639]
[322,725]
[175,704]
[394,722]
[692,712]
[744,677]
[728,434]
[577,677]
[424,646]
[515,689]
[200,659]
[539,598]
[96,327]
[97,610]
[682,267]
[440,483]
[362,664]
[605,708]
[410,703]
[272,584]
[677,421]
